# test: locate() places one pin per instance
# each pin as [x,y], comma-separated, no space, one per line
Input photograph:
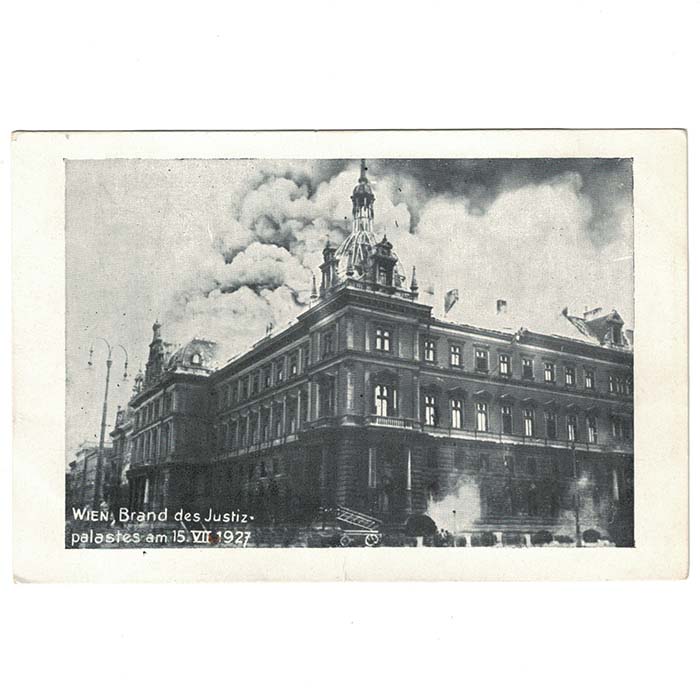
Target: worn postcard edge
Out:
[660,372]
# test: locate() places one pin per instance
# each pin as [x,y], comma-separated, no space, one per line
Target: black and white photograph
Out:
[369,352]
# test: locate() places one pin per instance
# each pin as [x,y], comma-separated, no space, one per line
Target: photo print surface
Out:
[349,353]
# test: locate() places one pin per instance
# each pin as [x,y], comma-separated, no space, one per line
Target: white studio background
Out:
[85,66]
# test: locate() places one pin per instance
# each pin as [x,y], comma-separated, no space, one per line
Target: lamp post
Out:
[577,501]
[97,498]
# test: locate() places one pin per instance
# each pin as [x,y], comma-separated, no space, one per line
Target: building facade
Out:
[81,477]
[369,401]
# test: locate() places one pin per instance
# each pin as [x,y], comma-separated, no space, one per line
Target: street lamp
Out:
[100,452]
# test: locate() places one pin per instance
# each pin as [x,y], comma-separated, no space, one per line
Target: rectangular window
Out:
[277,421]
[457,413]
[244,388]
[549,372]
[280,371]
[293,368]
[550,422]
[504,365]
[592,429]
[328,397]
[327,346]
[455,355]
[304,358]
[616,424]
[571,428]
[570,376]
[267,374]
[617,386]
[382,340]
[430,409]
[429,351]
[528,372]
[529,422]
[481,360]
[482,417]
[256,384]
[590,379]
[507,420]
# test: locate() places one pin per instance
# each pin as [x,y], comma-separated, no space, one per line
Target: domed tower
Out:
[353,254]
[361,261]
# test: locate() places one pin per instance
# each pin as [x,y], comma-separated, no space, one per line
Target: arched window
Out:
[482,416]
[165,450]
[196,359]
[592,429]
[430,416]
[507,419]
[384,400]
[550,423]
[456,413]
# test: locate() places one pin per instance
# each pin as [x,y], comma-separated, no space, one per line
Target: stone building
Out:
[116,486]
[82,473]
[369,401]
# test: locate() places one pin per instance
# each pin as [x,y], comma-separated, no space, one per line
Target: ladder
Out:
[352,517]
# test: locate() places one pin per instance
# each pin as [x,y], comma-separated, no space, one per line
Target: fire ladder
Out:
[357,520]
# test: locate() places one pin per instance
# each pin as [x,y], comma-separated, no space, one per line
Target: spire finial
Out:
[314,292]
[363,170]
[414,281]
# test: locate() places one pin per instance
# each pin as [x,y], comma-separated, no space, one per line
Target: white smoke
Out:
[458,510]
[257,269]
[270,240]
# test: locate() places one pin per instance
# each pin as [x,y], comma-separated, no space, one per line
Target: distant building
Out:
[116,488]
[370,402]
[81,475]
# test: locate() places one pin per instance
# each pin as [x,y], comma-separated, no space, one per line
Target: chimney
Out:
[501,306]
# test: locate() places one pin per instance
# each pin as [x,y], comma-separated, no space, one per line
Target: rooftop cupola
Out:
[156,357]
[329,268]
[355,250]
[362,202]
[361,261]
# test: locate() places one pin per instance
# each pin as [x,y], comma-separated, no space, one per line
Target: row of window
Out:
[268,424]
[153,444]
[153,410]
[620,428]
[277,372]
[383,342]
[386,404]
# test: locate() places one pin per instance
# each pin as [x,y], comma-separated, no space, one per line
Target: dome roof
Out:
[198,354]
